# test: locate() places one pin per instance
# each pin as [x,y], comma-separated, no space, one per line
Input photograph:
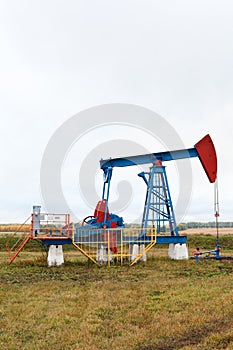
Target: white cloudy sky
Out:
[58,58]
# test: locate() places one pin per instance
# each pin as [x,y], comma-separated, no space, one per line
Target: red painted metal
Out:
[100,211]
[109,236]
[20,247]
[207,155]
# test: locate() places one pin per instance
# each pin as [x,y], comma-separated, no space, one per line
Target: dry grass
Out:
[160,305]
[207,231]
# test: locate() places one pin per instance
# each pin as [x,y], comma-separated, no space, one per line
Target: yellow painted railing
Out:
[114,245]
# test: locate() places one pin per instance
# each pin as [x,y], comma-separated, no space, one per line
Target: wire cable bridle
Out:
[216,208]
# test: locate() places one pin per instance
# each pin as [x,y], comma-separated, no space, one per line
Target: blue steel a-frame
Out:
[158,209]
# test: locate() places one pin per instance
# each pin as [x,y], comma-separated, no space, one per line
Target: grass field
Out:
[161,304]
[207,231]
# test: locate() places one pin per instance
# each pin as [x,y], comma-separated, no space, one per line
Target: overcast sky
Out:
[61,57]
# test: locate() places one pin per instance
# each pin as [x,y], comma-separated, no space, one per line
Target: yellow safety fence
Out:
[108,246]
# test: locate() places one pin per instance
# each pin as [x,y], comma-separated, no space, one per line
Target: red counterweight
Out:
[207,155]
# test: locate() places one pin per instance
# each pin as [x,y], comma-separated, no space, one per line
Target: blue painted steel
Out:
[94,237]
[107,181]
[163,216]
[169,207]
[217,247]
[113,218]
[56,241]
[215,252]
[158,208]
[148,158]
[143,176]
[159,240]
[171,239]
[162,200]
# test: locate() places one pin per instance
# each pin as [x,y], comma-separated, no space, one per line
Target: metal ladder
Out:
[14,249]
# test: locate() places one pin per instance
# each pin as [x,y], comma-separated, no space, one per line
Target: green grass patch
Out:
[209,241]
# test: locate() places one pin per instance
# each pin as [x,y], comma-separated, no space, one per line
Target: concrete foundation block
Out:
[178,251]
[55,255]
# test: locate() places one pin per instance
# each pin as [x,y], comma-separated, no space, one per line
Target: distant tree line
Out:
[181,227]
[193,224]
[211,224]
